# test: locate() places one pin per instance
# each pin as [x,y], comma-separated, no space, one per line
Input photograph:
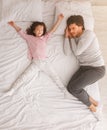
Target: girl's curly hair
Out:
[32,27]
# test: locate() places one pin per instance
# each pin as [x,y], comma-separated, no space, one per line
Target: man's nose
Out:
[71,31]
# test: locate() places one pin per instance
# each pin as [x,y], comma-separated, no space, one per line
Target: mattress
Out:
[38,103]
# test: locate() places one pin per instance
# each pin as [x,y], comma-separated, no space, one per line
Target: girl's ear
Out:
[34,31]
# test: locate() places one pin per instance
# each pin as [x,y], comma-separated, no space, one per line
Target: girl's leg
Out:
[30,72]
[86,76]
[47,68]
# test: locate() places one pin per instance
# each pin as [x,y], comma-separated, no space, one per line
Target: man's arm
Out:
[84,42]
[67,47]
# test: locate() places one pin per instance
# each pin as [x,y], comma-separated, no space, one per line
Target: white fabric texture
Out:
[0,9]
[37,102]
[49,12]
[22,10]
[74,8]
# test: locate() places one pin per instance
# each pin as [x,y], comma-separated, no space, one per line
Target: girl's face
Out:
[75,30]
[39,31]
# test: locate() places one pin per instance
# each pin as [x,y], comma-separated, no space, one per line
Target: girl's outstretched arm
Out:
[60,17]
[17,28]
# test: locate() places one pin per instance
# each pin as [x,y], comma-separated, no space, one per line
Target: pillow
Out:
[49,13]
[22,10]
[0,9]
[74,8]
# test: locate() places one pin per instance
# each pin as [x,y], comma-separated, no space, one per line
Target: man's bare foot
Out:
[92,108]
[95,103]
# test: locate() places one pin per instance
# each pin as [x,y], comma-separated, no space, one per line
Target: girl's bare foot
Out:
[92,108]
[95,103]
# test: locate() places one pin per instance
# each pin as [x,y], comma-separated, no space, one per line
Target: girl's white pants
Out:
[32,71]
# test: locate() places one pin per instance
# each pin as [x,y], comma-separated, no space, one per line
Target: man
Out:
[85,47]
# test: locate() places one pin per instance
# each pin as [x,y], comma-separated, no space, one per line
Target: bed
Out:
[38,103]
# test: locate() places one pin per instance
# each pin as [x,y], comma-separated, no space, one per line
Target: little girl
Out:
[36,38]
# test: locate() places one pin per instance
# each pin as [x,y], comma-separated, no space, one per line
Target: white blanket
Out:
[38,103]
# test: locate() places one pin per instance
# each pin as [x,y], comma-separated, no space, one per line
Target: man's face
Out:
[75,30]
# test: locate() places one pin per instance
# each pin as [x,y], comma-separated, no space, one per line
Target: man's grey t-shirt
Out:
[86,49]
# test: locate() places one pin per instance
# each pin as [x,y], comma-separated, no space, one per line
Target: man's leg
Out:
[87,76]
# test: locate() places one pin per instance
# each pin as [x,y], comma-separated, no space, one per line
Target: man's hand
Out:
[67,34]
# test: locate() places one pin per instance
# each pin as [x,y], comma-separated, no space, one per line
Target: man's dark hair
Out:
[77,19]
[33,26]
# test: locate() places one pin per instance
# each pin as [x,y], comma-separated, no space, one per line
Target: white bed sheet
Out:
[37,103]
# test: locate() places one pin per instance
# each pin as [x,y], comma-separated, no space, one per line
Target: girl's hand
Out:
[60,17]
[11,23]
[17,28]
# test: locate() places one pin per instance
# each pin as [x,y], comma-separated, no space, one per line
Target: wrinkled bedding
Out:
[37,102]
